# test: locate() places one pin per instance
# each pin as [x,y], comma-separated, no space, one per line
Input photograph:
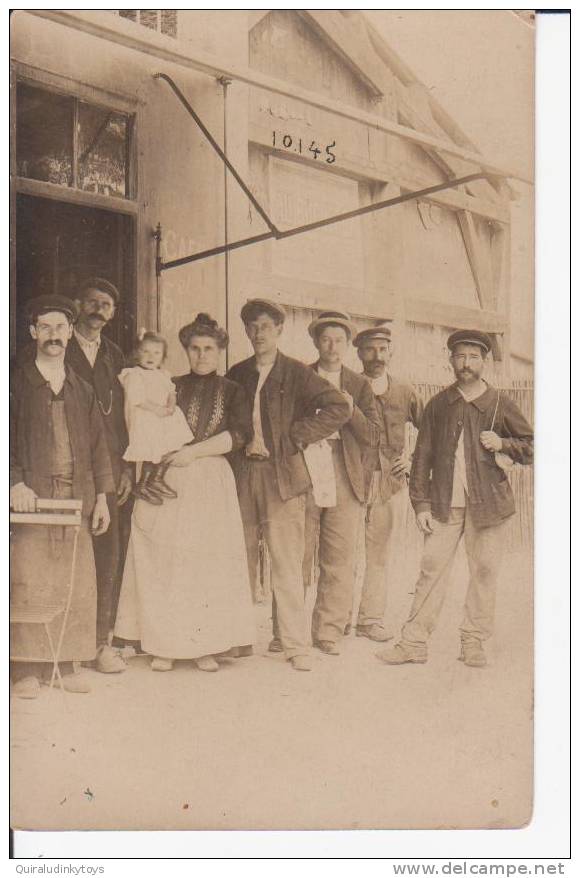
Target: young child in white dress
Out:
[156,426]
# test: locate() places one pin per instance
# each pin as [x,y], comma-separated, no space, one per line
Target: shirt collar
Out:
[85,342]
[482,402]
[36,378]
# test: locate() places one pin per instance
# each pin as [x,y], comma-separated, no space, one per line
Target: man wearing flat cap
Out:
[338,525]
[58,450]
[292,407]
[398,404]
[99,361]
[459,488]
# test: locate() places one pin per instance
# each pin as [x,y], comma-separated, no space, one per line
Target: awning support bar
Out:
[279,234]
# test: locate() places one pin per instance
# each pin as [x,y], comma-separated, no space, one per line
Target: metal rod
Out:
[359,211]
[224,84]
[217,148]
[378,205]
[157,234]
[215,251]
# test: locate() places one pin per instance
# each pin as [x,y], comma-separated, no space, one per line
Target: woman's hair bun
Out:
[204,319]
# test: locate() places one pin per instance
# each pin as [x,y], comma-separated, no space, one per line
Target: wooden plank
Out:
[454,316]
[48,518]
[115,30]
[304,293]
[41,189]
[385,172]
[49,503]
[112,100]
[479,256]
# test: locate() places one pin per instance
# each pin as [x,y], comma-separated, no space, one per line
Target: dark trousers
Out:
[110,550]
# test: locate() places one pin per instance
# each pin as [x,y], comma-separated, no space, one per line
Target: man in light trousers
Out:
[470,433]
[338,525]
[397,404]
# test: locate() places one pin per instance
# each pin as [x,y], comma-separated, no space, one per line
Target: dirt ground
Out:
[353,744]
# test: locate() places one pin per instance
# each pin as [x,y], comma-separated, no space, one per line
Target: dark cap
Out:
[45,304]
[331,318]
[469,336]
[253,307]
[382,332]
[99,283]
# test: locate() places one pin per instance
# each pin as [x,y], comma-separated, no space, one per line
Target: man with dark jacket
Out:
[292,407]
[99,361]
[338,525]
[57,451]
[459,488]
[398,404]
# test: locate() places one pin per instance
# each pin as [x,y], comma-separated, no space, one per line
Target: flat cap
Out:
[259,306]
[332,318]
[101,284]
[45,304]
[382,332]
[469,336]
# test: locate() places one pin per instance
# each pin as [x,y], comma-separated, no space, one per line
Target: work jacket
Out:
[103,379]
[489,495]
[297,408]
[361,432]
[399,405]
[30,451]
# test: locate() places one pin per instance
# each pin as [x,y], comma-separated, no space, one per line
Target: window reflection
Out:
[102,150]
[95,160]
[44,128]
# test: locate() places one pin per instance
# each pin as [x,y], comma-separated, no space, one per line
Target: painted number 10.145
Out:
[297,145]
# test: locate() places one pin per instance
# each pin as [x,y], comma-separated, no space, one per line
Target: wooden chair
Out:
[60,513]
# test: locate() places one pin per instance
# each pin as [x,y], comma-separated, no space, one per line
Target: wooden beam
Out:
[453,316]
[479,256]
[500,265]
[501,274]
[349,43]
[255,16]
[385,172]
[116,30]
[415,110]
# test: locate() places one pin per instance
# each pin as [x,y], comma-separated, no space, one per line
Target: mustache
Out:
[98,316]
[55,341]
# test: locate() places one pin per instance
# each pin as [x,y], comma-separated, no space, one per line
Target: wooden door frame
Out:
[55,83]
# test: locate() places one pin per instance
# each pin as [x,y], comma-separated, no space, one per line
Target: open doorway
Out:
[58,244]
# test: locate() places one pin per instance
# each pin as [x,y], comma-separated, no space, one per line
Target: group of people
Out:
[299,456]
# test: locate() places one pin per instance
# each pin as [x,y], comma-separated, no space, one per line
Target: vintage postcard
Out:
[272,324]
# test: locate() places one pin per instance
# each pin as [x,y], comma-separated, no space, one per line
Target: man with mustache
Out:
[398,404]
[57,450]
[99,361]
[459,489]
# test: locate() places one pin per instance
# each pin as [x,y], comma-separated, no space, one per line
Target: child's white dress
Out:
[150,437]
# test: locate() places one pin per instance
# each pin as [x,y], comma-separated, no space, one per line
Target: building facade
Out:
[317,114]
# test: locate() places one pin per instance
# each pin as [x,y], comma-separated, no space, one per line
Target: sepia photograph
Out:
[286,582]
